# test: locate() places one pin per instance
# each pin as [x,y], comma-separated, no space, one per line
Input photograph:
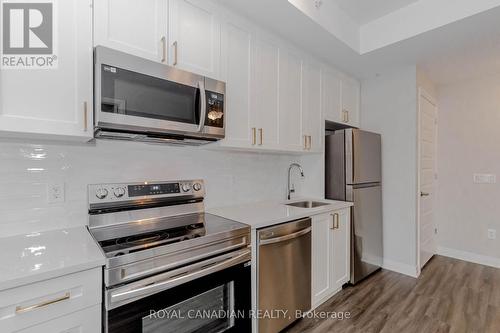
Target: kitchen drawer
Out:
[84,321]
[42,301]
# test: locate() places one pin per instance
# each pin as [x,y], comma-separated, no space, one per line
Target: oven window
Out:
[134,94]
[209,312]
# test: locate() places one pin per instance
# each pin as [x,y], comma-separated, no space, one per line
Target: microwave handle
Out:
[203,105]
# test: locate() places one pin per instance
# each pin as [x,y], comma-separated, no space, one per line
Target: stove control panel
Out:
[110,193]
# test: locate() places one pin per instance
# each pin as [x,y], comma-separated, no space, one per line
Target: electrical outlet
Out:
[484,178]
[492,234]
[55,192]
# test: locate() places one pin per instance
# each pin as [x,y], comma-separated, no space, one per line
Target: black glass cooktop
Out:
[149,233]
[133,243]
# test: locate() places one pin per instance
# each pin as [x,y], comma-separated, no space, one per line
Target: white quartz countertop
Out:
[267,213]
[34,257]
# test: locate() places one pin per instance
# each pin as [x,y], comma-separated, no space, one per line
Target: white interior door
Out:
[427,172]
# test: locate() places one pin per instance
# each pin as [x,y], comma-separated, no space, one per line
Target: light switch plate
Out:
[492,234]
[484,178]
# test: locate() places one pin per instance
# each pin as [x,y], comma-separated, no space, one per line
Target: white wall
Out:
[468,143]
[389,107]
[26,169]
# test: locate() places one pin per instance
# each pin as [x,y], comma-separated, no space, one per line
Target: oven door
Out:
[135,94]
[212,297]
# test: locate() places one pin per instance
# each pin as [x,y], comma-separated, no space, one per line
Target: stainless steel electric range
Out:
[170,267]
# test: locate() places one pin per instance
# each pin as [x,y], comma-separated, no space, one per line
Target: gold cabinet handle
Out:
[336,220]
[254,136]
[85,117]
[305,142]
[163,49]
[261,136]
[175,53]
[345,115]
[23,309]
[310,142]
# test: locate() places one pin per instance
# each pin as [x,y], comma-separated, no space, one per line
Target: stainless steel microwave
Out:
[142,100]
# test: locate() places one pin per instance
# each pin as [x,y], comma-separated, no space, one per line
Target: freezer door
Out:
[363,157]
[367,230]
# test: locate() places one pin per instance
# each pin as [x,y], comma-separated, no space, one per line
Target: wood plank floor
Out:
[449,296]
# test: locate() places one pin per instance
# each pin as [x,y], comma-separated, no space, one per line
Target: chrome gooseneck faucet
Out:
[290,187]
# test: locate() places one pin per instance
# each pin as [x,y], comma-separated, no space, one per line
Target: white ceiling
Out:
[461,50]
[364,11]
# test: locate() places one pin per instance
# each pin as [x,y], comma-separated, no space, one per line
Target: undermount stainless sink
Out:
[307,204]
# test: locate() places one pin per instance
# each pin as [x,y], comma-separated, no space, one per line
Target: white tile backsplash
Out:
[26,169]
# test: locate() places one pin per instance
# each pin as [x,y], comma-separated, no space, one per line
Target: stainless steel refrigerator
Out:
[354,173]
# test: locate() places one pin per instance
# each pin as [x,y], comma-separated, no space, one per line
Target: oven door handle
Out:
[176,278]
[203,105]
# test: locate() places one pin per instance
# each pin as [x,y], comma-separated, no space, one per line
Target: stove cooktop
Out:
[128,238]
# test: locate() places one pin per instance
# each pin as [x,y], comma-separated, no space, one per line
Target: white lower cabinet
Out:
[84,321]
[62,304]
[331,234]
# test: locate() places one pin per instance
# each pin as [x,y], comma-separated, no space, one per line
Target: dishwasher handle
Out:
[286,237]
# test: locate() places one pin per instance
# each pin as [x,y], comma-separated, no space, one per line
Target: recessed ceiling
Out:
[364,11]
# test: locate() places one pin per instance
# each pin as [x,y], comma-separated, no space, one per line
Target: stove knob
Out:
[119,192]
[186,187]
[101,193]
[197,186]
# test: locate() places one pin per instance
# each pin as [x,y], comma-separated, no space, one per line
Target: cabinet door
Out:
[290,100]
[331,92]
[237,44]
[350,101]
[194,31]
[341,249]
[84,321]
[322,258]
[138,27]
[311,108]
[54,103]
[265,93]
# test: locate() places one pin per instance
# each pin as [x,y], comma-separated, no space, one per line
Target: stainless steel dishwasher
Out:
[284,272]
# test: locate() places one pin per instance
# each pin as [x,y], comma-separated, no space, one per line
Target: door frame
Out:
[422,93]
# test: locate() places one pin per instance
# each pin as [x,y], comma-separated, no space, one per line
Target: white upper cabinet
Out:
[237,44]
[331,96]
[194,37]
[138,27]
[265,94]
[54,103]
[290,100]
[312,134]
[350,101]
[341,98]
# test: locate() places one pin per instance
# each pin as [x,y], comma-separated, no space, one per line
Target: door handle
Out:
[286,237]
[424,194]
[254,136]
[203,105]
[261,136]
[335,221]
[21,309]
[310,142]
[175,53]
[305,142]
[163,49]
[85,117]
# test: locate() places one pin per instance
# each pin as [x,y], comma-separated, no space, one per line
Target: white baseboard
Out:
[400,268]
[469,256]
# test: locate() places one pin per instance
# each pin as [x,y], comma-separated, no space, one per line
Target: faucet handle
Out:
[292,188]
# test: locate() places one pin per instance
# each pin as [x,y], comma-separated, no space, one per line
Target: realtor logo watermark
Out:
[28,35]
